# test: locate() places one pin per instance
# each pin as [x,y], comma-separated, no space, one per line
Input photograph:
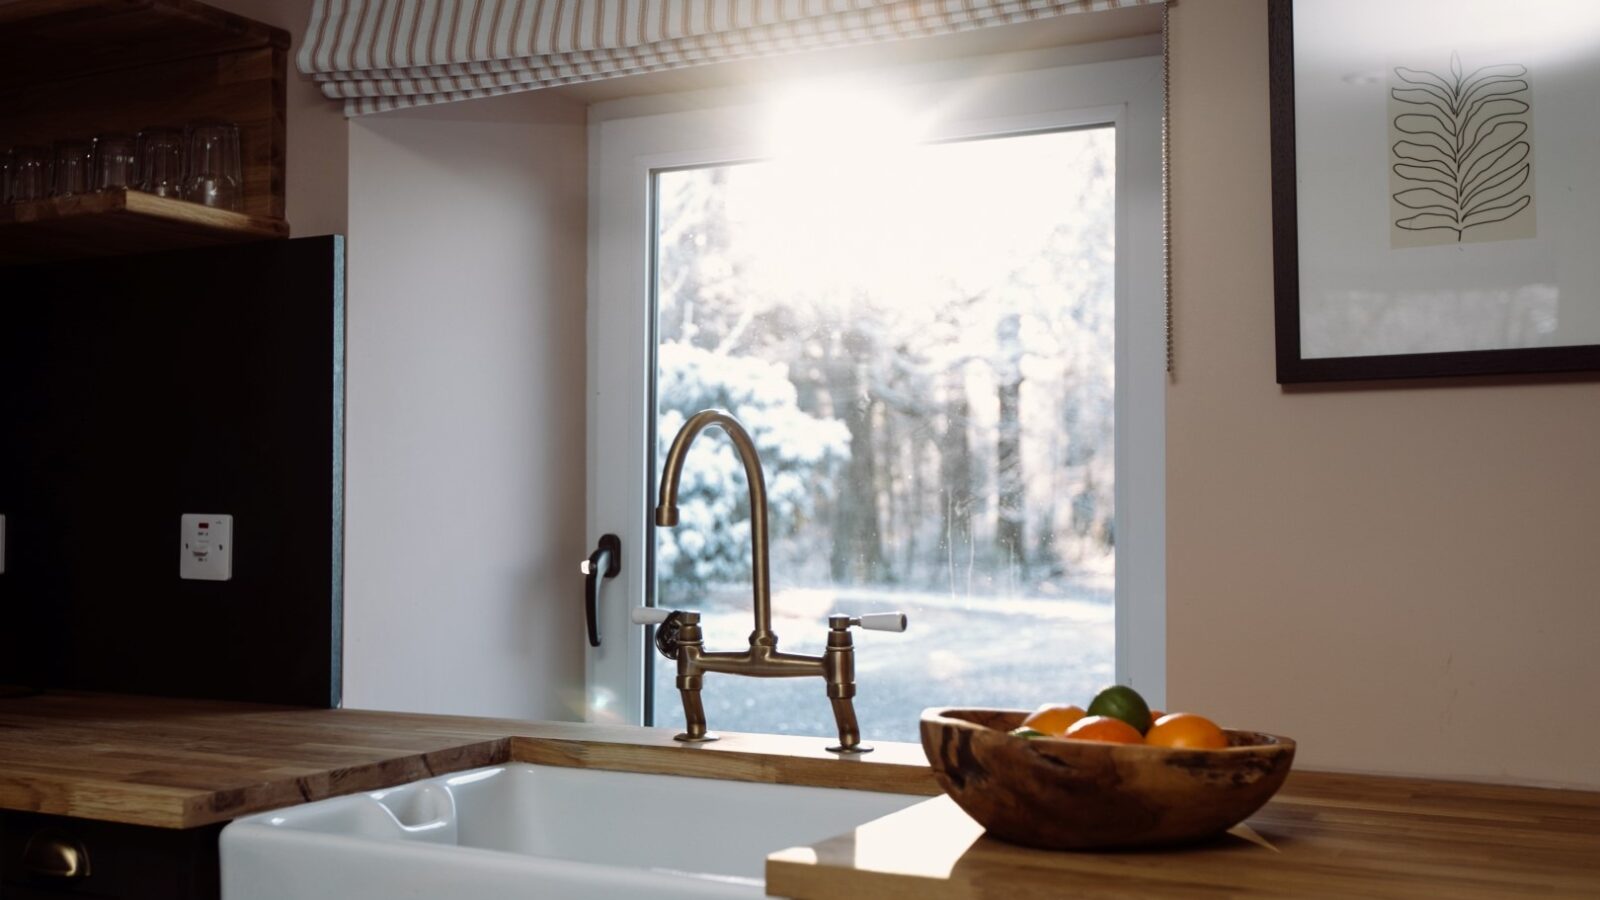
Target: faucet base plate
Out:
[850,751]
[706,738]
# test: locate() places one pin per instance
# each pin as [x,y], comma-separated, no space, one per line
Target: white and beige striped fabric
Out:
[378,55]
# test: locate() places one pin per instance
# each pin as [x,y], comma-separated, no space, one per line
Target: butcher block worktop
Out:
[1323,835]
[185,763]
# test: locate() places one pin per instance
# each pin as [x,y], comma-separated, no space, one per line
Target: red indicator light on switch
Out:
[207,547]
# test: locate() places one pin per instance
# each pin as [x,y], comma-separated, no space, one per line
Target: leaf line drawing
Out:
[1465,159]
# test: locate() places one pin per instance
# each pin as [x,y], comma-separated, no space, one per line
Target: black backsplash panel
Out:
[136,389]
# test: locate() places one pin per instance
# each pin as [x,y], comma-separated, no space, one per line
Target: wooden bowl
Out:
[1060,794]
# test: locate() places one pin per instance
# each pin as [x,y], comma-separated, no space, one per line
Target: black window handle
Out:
[604,562]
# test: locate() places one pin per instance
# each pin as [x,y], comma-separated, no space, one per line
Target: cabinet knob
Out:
[52,853]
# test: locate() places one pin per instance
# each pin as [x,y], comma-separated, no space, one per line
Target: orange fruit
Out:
[1187,731]
[1155,714]
[1104,728]
[1053,718]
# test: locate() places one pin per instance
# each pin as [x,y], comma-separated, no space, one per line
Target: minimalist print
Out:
[1428,221]
[1460,154]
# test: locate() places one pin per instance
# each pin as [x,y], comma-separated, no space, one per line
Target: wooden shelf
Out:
[119,221]
[80,68]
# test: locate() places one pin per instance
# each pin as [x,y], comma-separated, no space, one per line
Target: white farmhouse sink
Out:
[519,830]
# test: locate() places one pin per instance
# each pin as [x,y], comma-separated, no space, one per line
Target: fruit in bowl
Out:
[1101,782]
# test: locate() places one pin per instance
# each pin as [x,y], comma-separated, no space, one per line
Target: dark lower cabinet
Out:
[128,862]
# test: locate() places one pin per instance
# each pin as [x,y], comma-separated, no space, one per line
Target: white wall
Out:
[464,390]
[1448,634]
[465,413]
[1404,578]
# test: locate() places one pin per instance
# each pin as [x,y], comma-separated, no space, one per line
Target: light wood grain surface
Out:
[184,763]
[1330,836]
[1080,795]
[120,221]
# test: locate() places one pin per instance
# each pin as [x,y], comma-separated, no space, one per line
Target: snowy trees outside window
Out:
[923,349]
[800,453]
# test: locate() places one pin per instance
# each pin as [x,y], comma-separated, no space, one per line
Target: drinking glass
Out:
[71,167]
[115,162]
[160,160]
[214,174]
[30,174]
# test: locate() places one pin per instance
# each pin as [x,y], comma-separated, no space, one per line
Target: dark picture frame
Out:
[1292,366]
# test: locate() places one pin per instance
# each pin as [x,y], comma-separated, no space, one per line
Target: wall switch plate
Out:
[207,553]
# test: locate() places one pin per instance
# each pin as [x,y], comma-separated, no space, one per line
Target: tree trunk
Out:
[894,519]
[955,476]
[1009,484]
[917,451]
[857,537]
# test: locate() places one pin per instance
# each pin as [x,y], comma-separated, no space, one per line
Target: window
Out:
[939,341]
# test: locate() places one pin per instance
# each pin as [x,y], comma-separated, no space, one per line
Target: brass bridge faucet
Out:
[679,636]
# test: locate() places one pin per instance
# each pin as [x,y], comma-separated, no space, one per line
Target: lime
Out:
[1122,702]
[1028,733]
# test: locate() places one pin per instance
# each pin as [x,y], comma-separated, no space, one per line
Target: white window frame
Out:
[631,139]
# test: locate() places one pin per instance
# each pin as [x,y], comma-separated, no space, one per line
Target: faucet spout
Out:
[666,514]
[687,644]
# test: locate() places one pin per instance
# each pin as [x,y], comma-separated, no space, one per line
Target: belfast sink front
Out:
[521,830]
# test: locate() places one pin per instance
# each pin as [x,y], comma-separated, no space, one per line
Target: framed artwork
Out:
[1436,187]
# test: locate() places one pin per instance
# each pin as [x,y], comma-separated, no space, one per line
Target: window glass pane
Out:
[921,344]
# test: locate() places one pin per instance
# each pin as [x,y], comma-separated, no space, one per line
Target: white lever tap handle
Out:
[889,621]
[648,615]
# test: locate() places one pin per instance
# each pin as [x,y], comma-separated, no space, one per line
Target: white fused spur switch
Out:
[207,548]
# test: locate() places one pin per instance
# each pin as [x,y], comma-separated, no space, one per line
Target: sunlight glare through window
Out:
[920,338]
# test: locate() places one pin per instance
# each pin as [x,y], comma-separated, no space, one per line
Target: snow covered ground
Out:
[958,651]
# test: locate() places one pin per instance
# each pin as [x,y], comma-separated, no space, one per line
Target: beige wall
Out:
[464,390]
[319,144]
[1406,579]
[465,417]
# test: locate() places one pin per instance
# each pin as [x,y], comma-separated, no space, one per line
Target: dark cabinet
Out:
[113,860]
[133,390]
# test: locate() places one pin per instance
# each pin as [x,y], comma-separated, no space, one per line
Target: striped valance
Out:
[378,55]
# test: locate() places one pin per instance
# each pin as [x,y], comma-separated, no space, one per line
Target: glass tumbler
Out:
[115,162]
[71,167]
[30,174]
[214,175]
[159,156]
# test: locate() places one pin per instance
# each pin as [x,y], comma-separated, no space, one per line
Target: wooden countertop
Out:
[184,763]
[1330,835]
